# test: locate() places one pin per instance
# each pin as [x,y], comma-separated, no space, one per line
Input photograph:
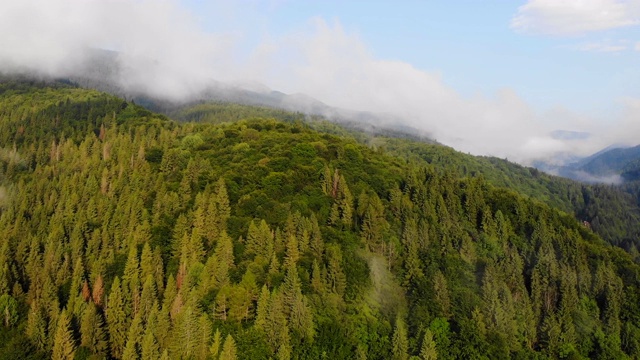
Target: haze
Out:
[490,78]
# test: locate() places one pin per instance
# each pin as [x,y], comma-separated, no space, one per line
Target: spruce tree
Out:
[400,342]
[63,343]
[428,348]
[117,323]
[229,351]
[92,331]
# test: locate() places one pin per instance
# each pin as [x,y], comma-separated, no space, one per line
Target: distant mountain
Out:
[569,135]
[614,164]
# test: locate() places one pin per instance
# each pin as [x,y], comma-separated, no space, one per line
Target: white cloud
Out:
[334,66]
[166,52]
[163,44]
[637,47]
[603,46]
[575,17]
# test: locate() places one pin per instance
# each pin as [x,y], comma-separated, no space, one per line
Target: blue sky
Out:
[486,77]
[469,43]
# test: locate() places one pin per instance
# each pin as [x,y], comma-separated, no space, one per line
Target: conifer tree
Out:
[284,347]
[131,282]
[292,255]
[162,328]
[147,297]
[149,349]
[216,344]
[400,342]
[92,331]
[203,346]
[317,283]
[63,343]
[186,333]
[77,280]
[229,351]
[37,327]
[441,292]
[134,339]
[316,243]
[146,262]
[336,279]
[130,351]
[8,310]
[428,349]
[262,310]
[224,260]
[222,206]
[117,323]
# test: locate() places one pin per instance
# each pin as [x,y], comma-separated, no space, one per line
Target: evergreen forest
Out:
[225,231]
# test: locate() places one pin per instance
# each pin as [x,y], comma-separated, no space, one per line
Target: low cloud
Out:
[160,46]
[163,50]
[575,17]
[331,64]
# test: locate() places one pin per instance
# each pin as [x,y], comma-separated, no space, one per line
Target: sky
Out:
[486,77]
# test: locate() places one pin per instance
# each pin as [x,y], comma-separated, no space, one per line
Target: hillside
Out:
[610,211]
[610,162]
[124,234]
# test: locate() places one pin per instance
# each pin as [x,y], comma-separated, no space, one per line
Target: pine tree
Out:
[186,333]
[92,331]
[222,201]
[149,349]
[336,279]
[77,279]
[291,288]
[146,262]
[204,325]
[317,283]
[292,255]
[316,243]
[216,344]
[135,335]
[441,292]
[276,327]
[262,310]
[117,323]
[428,349]
[147,297]
[63,343]
[131,282]
[284,347]
[229,351]
[37,327]
[400,342]
[162,328]
[130,351]
[8,310]
[224,260]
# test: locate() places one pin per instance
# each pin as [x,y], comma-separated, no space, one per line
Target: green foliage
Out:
[268,239]
[8,310]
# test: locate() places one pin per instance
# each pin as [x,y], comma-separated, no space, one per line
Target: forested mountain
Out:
[613,165]
[611,211]
[613,161]
[124,234]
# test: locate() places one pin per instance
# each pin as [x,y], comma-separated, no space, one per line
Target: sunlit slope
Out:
[609,211]
[134,235]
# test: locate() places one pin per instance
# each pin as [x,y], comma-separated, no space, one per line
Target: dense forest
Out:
[127,235]
[611,211]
